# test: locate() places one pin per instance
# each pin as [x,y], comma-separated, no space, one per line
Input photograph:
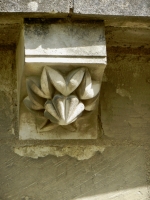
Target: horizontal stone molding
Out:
[84,7]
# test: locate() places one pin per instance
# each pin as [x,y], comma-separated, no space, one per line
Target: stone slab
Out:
[84,7]
[50,6]
[117,8]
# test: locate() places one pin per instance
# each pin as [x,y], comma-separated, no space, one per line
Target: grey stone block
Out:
[124,7]
[50,6]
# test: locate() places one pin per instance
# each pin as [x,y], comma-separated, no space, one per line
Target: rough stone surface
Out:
[9,33]
[51,6]
[10,30]
[96,7]
[8,99]
[124,7]
[117,173]
[127,36]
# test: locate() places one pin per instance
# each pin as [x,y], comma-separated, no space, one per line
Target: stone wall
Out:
[122,170]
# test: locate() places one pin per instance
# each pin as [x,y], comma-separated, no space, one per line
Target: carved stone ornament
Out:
[58,100]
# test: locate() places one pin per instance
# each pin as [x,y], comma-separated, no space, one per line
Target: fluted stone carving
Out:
[55,99]
[63,110]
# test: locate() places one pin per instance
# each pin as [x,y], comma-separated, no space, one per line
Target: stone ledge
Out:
[84,7]
[122,8]
[49,6]
[114,8]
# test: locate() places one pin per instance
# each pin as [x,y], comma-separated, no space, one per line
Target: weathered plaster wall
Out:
[8,91]
[120,172]
[125,95]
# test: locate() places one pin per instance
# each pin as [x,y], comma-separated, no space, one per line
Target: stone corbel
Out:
[59,84]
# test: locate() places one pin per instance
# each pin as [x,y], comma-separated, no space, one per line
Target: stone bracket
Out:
[60,70]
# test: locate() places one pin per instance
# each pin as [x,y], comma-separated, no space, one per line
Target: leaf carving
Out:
[46,85]
[63,110]
[65,85]
[88,88]
[91,104]
[37,102]
[48,127]
[31,106]
[42,88]
[38,114]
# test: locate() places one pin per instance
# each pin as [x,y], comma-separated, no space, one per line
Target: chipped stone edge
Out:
[78,152]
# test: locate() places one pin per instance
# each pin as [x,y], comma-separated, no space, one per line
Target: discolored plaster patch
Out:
[78,152]
[123,93]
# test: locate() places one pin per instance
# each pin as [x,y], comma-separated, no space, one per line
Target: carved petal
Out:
[36,100]
[31,106]
[76,113]
[57,79]
[88,89]
[49,126]
[50,112]
[91,104]
[46,85]
[38,114]
[41,121]
[33,83]
[68,85]
[70,127]
[73,80]
[71,104]
[63,110]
